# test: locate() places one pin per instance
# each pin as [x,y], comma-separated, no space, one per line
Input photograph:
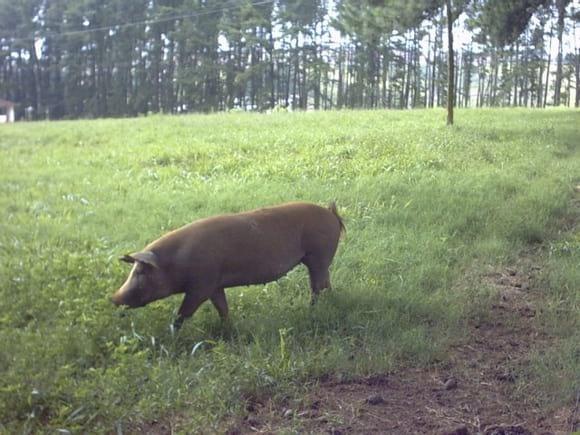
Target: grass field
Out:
[426,208]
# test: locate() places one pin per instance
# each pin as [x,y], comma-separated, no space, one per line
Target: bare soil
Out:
[472,393]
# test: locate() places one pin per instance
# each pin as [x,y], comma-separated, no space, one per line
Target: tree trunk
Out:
[540,88]
[408,57]
[317,74]
[417,71]
[468,68]
[302,88]
[295,76]
[547,85]
[561,12]
[272,78]
[434,69]
[526,85]
[384,74]
[481,80]
[450,64]
[37,76]
[339,85]
[428,72]
[457,82]
[516,71]
[577,72]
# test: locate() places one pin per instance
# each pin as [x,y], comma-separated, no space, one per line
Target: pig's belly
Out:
[258,270]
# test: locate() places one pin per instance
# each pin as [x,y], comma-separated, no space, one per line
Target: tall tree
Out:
[561,14]
[450,63]
[89,58]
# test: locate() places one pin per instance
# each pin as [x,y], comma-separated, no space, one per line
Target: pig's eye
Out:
[141,270]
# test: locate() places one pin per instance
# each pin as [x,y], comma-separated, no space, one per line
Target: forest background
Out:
[112,58]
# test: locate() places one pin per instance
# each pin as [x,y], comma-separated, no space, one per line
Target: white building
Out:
[6,111]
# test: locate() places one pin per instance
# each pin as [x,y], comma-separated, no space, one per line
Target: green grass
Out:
[550,376]
[422,203]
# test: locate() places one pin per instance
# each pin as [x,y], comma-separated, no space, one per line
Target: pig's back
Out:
[253,247]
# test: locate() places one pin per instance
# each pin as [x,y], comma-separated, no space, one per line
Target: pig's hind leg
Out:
[319,275]
[218,299]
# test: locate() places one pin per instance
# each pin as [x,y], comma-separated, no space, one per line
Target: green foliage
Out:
[422,203]
[504,22]
[372,19]
[112,58]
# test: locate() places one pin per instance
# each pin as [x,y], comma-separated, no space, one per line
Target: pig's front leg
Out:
[190,304]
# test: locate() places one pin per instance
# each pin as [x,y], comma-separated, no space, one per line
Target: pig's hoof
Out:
[177,324]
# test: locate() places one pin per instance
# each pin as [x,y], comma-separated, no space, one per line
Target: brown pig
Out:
[255,247]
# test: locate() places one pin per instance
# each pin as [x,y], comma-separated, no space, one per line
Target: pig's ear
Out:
[127,259]
[145,257]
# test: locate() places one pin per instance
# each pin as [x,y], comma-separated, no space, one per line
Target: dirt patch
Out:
[472,393]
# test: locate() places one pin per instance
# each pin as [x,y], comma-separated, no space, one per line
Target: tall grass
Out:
[422,204]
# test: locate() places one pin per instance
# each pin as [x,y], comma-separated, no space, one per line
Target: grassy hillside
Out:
[424,205]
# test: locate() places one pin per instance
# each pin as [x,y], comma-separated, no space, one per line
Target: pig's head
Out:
[146,283]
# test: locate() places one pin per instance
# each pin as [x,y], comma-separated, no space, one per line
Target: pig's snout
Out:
[122,297]
[128,299]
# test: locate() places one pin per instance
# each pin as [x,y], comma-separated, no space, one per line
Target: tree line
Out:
[97,58]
